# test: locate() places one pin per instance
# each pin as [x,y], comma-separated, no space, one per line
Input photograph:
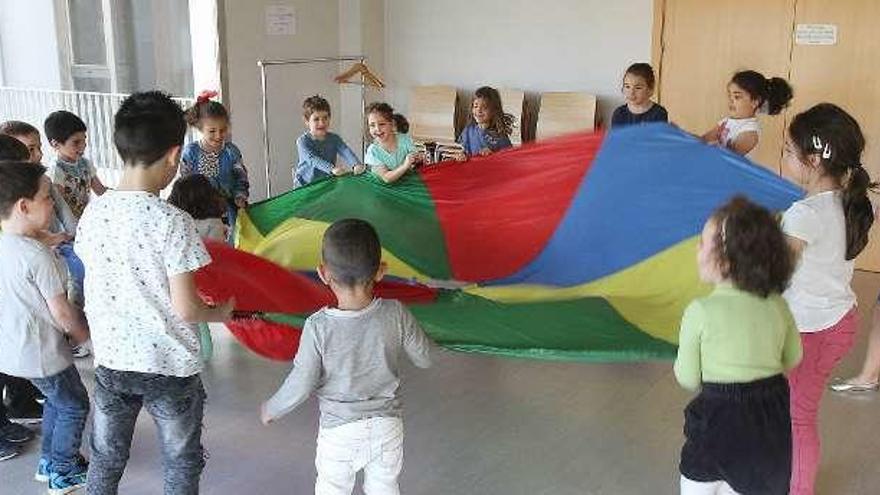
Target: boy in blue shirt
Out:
[318,148]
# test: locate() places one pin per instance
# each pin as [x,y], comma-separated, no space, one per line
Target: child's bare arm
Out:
[744,143]
[190,307]
[69,318]
[97,186]
[390,176]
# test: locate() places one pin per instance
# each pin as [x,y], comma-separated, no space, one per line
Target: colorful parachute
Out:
[575,248]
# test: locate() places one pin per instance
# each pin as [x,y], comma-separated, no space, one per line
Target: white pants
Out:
[691,487]
[374,445]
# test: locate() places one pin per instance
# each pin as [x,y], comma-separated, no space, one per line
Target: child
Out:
[140,254]
[350,355]
[489,128]
[392,153]
[827,230]
[215,157]
[63,227]
[20,393]
[36,319]
[73,173]
[638,88]
[734,347]
[318,147]
[748,93]
[195,195]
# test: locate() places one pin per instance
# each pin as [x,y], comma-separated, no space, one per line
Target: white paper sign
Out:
[280,20]
[815,34]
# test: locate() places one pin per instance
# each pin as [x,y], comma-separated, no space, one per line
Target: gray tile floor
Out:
[481,425]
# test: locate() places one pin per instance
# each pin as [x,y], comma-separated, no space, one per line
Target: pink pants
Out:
[822,351]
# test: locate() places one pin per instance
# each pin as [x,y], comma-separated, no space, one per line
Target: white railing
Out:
[96,110]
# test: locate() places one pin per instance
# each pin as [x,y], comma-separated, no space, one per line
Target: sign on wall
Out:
[815,34]
[280,20]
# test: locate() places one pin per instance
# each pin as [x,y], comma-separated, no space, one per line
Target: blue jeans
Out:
[64,417]
[77,272]
[177,407]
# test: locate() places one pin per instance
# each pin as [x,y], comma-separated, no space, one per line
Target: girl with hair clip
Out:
[213,155]
[748,93]
[826,231]
[489,128]
[735,344]
[392,153]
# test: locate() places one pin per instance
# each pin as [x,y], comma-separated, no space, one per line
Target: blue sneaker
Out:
[42,474]
[59,484]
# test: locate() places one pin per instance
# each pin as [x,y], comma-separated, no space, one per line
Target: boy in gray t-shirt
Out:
[35,319]
[350,356]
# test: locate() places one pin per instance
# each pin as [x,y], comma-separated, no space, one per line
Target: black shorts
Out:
[740,433]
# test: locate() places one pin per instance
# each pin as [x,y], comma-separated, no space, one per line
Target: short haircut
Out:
[750,241]
[195,195]
[643,70]
[18,128]
[351,252]
[18,179]
[60,125]
[13,149]
[146,126]
[314,104]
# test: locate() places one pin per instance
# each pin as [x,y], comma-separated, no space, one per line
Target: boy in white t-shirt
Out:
[140,254]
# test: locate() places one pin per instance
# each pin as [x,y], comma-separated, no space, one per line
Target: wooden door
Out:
[846,74]
[704,43]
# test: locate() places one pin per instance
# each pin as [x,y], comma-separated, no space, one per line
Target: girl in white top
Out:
[196,195]
[748,92]
[826,230]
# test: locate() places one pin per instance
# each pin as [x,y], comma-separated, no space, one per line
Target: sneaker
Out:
[8,450]
[42,474]
[80,351]
[14,433]
[59,484]
[854,387]
[32,415]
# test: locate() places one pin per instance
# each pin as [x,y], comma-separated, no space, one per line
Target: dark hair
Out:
[205,108]
[502,123]
[195,195]
[314,104]
[643,70]
[751,247]
[385,110]
[18,179]
[13,149]
[827,131]
[60,125]
[18,128]
[146,126]
[776,91]
[351,252]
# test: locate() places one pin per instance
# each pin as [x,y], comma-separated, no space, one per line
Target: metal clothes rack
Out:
[263,64]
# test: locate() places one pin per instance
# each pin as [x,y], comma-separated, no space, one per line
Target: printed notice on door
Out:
[815,34]
[280,20]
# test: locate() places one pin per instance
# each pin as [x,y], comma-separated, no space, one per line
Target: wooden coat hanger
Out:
[361,70]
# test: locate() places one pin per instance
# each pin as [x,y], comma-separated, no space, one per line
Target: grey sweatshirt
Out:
[351,359]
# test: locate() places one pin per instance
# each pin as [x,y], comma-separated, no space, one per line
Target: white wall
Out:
[561,45]
[317,34]
[29,44]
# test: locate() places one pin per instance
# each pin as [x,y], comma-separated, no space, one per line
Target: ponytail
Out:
[827,131]
[779,93]
[400,123]
[857,210]
[774,93]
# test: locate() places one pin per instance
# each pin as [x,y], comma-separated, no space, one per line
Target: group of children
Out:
[759,348]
